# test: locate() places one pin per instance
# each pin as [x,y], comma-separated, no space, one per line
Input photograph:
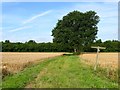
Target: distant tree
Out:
[76,29]
[99,41]
[1,46]
[31,41]
[7,41]
[111,46]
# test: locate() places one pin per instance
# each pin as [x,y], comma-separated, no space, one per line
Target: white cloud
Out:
[20,28]
[34,17]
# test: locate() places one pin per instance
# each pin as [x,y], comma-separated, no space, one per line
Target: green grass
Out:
[20,79]
[59,72]
[69,72]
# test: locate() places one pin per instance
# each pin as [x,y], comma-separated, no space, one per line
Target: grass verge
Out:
[20,79]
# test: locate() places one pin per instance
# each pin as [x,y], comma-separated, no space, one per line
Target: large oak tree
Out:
[76,29]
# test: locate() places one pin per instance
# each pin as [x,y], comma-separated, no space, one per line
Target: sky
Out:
[24,21]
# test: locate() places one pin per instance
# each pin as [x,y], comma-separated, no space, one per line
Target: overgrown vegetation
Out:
[111,74]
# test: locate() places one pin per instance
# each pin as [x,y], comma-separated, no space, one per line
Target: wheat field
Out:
[104,60]
[13,62]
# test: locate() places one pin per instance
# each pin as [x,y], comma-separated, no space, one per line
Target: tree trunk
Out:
[75,50]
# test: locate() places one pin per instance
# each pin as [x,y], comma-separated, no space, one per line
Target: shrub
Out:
[76,53]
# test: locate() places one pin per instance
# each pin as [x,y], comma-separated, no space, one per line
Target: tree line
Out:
[32,46]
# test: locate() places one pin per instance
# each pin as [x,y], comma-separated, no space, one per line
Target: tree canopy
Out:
[76,29]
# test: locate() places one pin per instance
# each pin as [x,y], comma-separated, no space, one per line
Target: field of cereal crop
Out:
[14,62]
[104,59]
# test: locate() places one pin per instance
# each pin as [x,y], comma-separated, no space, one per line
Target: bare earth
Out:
[15,62]
[105,59]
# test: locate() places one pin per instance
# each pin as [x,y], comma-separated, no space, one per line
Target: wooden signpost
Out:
[98,50]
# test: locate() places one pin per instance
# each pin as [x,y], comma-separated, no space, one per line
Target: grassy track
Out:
[59,72]
[69,72]
[20,79]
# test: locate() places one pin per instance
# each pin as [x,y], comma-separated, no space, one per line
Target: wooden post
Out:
[98,50]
